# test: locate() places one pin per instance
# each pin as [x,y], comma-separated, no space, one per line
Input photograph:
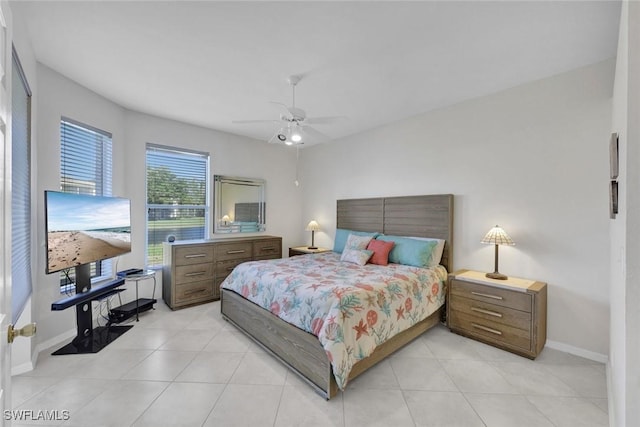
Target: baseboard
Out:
[22,368]
[53,342]
[56,341]
[29,366]
[576,351]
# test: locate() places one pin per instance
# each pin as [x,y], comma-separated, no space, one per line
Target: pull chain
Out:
[296,182]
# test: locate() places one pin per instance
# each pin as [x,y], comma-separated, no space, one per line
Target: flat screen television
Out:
[82,229]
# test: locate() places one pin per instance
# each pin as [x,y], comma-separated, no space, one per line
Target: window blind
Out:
[85,168]
[177,197]
[20,191]
[86,159]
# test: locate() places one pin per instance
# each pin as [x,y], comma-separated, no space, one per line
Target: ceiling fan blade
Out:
[285,110]
[324,120]
[255,121]
[315,135]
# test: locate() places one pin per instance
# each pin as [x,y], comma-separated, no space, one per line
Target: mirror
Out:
[240,206]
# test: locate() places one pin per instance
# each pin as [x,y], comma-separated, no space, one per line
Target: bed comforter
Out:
[350,308]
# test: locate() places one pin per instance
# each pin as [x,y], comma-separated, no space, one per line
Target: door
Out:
[5,210]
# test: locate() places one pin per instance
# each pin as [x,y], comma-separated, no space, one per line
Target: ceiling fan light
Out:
[296,137]
[288,142]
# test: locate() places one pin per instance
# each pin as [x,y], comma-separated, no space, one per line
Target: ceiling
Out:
[210,63]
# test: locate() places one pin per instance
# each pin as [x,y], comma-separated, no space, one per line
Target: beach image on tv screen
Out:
[82,229]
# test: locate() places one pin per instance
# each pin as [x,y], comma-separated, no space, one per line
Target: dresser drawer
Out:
[491,312]
[224,268]
[192,292]
[186,255]
[492,295]
[233,251]
[499,333]
[267,249]
[196,272]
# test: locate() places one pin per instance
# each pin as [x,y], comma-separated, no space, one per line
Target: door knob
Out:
[26,331]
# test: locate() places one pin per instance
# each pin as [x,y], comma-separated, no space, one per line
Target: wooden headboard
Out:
[419,216]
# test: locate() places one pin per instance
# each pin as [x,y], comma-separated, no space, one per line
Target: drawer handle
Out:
[480,294]
[484,328]
[196,256]
[197,273]
[195,291]
[268,248]
[238,251]
[483,311]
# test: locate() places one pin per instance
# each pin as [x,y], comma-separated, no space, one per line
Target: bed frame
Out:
[420,216]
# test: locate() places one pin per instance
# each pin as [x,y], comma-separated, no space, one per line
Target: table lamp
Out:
[226,219]
[312,227]
[497,236]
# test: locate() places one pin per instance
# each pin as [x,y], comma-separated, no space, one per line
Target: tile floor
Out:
[191,368]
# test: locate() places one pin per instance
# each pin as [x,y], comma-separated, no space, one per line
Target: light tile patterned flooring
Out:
[191,368]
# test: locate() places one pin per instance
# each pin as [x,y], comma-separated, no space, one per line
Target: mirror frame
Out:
[218,189]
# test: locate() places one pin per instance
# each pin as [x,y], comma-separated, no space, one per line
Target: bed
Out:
[418,216]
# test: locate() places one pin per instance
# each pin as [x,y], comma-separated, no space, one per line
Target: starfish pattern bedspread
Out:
[350,308]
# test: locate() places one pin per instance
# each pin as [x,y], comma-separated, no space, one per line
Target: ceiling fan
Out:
[295,126]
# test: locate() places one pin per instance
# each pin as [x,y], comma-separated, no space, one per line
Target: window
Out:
[85,168]
[20,190]
[177,197]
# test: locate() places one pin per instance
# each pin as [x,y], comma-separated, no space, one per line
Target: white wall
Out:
[624,378]
[533,159]
[230,155]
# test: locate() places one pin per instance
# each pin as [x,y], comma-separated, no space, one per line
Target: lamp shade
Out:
[313,226]
[497,236]
[226,218]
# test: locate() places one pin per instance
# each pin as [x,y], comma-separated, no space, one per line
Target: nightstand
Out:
[302,250]
[510,314]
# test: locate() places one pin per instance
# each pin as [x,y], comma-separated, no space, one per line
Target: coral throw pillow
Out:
[380,250]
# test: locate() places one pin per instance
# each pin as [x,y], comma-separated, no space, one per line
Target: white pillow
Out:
[356,256]
[357,242]
[437,250]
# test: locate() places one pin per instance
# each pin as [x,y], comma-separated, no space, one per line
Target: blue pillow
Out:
[407,251]
[342,235]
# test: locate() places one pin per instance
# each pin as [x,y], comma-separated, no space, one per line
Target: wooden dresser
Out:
[510,314]
[193,270]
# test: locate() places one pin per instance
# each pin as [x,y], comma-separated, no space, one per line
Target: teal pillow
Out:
[407,251]
[342,235]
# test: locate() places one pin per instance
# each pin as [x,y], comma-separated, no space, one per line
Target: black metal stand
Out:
[88,339]
[95,341]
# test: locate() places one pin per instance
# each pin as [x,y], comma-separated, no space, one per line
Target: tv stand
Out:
[89,339]
[97,339]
